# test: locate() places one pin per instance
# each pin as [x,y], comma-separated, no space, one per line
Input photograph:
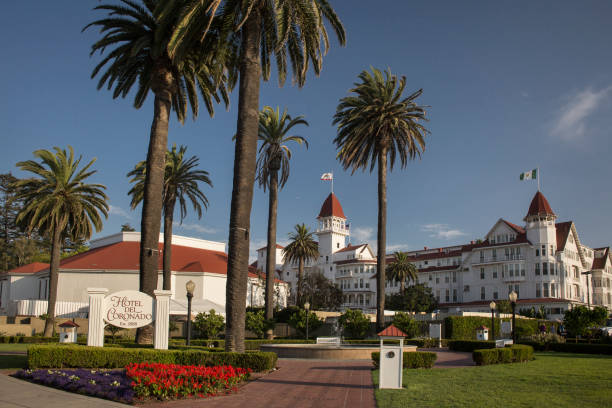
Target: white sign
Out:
[506,327]
[128,309]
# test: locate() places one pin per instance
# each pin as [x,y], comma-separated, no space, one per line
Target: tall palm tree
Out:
[375,124]
[140,55]
[58,203]
[401,270]
[292,32]
[181,180]
[302,248]
[274,155]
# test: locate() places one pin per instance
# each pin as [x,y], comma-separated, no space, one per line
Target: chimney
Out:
[471,242]
[440,250]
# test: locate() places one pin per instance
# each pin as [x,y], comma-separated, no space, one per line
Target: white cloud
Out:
[441,231]
[114,210]
[362,234]
[194,227]
[397,247]
[571,121]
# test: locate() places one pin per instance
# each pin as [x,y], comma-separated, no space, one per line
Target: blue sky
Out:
[511,86]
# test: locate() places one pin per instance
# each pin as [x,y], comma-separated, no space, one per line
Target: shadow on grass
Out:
[16,361]
[545,354]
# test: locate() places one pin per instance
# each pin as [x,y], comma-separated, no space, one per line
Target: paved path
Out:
[300,384]
[22,394]
[448,359]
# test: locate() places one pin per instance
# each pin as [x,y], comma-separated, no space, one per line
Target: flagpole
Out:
[332,180]
[538,175]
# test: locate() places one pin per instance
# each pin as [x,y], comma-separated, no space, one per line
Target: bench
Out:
[328,340]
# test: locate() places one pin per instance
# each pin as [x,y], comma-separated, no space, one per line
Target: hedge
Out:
[248,344]
[513,354]
[581,348]
[422,343]
[28,339]
[60,356]
[464,327]
[470,345]
[414,359]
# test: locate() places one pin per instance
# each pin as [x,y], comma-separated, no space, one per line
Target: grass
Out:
[16,362]
[14,347]
[553,379]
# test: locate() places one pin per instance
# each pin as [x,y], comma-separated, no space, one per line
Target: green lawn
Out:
[553,379]
[14,347]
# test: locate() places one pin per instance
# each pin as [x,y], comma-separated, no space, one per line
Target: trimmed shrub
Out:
[464,327]
[470,345]
[415,359]
[60,356]
[513,354]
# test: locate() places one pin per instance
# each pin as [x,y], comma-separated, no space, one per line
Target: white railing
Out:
[33,307]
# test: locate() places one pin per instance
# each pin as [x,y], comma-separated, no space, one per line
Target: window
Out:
[537,269]
[511,269]
[495,295]
[327,259]
[544,268]
[522,269]
[437,279]
[482,273]
[494,254]
[516,289]
[538,290]
[495,272]
[430,276]
[438,295]
[545,286]
[481,256]
[466,288]
[454,295]
[543,250]
[454,277]
[337,245]
[537,252]
[553,290]
[447,297]
[446,279]
[482,293]
[367,285]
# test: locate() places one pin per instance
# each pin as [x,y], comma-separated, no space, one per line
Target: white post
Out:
[162,318]
[95,333]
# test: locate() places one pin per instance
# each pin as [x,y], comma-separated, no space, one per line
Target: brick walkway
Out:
[300,384]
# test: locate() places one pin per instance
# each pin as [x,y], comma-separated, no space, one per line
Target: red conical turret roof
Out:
[539,206]
[331,206]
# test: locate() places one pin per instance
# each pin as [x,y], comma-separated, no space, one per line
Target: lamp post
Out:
[512,297]
[492,306]
[588,278]
[190,286]
[307,308]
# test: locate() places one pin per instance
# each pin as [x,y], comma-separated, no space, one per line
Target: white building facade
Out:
[543,261]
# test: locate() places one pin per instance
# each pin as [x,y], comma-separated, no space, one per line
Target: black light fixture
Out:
[307,308]
[513,297]
[190,287]
[492,306]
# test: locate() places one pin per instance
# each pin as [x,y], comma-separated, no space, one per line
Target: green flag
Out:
[530,175]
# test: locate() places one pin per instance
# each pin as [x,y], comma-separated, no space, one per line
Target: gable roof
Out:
[515,227]
[350,248]
[392,331]
[563,230]
[600,261]
[277,247]
[331,207]
[539,206]
[33,267]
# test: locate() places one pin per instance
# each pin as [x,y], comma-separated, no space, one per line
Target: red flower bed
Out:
[165,381]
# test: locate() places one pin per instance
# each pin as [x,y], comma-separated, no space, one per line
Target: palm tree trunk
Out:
[244,178]
[382,239]
[299,300]
[403,287]
[168,218]
[56,246]
[152,200]
[271,250]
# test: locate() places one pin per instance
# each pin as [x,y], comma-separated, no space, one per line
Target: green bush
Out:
[415,359]
[464,327]
[29,339]
[407,324]
[470,345]
[70,356]
[354,323]
[208,325]
[298,321]
[513,354]
[255,321]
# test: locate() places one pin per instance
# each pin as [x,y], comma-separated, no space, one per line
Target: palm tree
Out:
[401,270]
[274,155]
[57,203]
[181,180]
[292,32]
[140,55]
[301,249]
[373,125]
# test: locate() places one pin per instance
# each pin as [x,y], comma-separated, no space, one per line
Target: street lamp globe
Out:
[190,286]
[492,305]
[512,297]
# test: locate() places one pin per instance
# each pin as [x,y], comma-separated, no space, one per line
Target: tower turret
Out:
[332,231]
[540,224]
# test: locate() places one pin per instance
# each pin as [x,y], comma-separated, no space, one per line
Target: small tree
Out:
[407,324]
[578,320]
[354,323]
[113,330]
[257,323]
[208,325]
[322,293]
[297,320]
[417,298]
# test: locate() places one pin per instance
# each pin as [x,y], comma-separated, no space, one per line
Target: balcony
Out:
[515,278]
[483,260]
[344,274]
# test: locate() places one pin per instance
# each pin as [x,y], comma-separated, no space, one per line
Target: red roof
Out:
[600,262]
[30,268]
[125,256]
[277,246]
[69,323]
[539,206]
[486,302]
[515,227]
[331,206]
[392,331]
[350,248]
[563,230]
